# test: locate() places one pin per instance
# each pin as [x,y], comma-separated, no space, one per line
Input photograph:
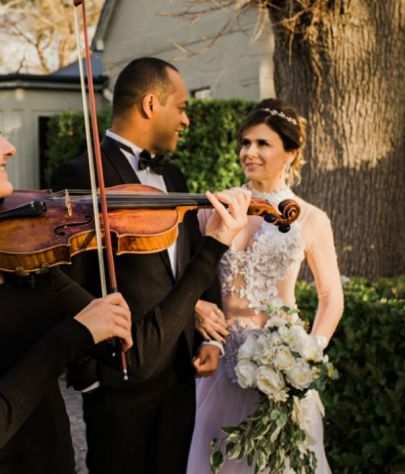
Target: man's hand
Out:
[211,321]
[106,318]
[225,223]
[207,360]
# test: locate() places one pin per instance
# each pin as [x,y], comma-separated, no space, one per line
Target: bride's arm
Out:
[322,260]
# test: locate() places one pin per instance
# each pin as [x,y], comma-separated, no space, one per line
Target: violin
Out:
[42,229]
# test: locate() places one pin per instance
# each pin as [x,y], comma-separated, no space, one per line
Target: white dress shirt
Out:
[147,177]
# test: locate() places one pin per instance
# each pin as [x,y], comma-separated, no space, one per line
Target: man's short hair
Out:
[139,77]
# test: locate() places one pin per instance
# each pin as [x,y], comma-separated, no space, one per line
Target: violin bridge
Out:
[68,204]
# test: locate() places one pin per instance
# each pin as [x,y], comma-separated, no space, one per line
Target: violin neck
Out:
[160,201]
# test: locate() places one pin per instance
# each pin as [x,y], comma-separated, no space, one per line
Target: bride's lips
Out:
[252,166]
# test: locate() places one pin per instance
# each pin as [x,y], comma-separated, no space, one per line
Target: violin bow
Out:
[99,165]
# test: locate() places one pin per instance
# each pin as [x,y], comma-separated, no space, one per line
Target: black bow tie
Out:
[156,164]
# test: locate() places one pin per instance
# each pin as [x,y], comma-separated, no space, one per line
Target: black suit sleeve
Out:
[22,387]
[213,293]
[156,333]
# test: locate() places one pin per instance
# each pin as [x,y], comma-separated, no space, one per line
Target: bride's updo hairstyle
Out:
[285,121]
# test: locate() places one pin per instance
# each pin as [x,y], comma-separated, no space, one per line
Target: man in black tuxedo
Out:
[145,425]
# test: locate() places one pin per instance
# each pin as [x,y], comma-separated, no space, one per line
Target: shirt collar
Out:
[135,148]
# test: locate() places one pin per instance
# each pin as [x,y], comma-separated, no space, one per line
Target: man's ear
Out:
[150,105]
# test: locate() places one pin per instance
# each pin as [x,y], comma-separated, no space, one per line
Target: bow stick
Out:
[99,167]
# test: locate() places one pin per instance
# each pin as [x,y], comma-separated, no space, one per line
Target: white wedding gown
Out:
[259,270]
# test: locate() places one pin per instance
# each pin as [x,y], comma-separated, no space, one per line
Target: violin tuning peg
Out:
[270,218]
[284,228]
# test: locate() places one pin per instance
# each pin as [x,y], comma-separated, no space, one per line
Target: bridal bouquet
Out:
[283,362]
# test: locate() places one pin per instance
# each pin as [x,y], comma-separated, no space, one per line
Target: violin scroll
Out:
[288,212]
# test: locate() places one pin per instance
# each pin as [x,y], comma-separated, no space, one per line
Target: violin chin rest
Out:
[284,228]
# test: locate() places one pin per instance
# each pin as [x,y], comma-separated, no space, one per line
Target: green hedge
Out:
[365,416]
[207,152]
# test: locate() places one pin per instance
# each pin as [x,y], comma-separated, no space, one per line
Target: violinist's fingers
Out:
[106,317]
[238,202]
[121,319]
[116,299]
[125,338]
[219,207]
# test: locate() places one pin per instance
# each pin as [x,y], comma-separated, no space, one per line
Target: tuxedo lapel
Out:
[117,160]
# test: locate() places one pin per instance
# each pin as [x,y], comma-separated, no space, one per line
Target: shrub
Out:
[365,418]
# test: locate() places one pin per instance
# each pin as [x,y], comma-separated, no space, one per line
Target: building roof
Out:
[72,70]
[41,81]
[66,78]
[103,24]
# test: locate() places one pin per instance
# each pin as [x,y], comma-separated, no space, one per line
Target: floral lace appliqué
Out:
[253,273]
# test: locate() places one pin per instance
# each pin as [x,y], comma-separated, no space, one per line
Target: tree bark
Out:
[346,75]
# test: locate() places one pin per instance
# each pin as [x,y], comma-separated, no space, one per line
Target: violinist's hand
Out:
[207,360]
[106,318]
[210,321]
[225,223]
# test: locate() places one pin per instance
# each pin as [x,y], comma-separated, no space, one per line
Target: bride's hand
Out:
[210,321]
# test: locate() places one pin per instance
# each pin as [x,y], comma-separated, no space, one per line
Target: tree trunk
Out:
[347,77]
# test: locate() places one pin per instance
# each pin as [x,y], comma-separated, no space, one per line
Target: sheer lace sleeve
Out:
[203,215]
[322,260]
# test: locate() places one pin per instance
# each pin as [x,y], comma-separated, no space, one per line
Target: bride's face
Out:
[262,155]
[6,152]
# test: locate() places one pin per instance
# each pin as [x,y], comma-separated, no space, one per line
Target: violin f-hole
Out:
[60,230]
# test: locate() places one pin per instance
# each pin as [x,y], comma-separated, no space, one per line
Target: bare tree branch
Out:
[46,26]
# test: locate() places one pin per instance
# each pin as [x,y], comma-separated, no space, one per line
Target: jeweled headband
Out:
[279,114]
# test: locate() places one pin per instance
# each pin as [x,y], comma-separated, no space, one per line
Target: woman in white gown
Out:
[260,270]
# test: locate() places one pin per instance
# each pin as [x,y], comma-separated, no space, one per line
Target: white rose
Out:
[246,373]
[271,384]
[264,349]
[300,376]
[275,322]
[275,339]
[283,359]
[305,344]
[298,338]
[312,349]
[248,348]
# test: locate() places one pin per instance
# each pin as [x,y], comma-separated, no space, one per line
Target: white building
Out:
[231,66]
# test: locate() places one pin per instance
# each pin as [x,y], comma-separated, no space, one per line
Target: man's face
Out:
[6,152]
[171,118]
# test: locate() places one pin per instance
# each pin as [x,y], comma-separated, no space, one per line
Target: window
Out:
[201,93]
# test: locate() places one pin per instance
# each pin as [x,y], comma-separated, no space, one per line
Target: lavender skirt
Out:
[220,402]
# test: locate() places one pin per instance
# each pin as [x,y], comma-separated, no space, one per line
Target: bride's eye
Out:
[244,142]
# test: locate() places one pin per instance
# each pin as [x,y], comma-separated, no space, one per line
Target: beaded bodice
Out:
[254,272]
